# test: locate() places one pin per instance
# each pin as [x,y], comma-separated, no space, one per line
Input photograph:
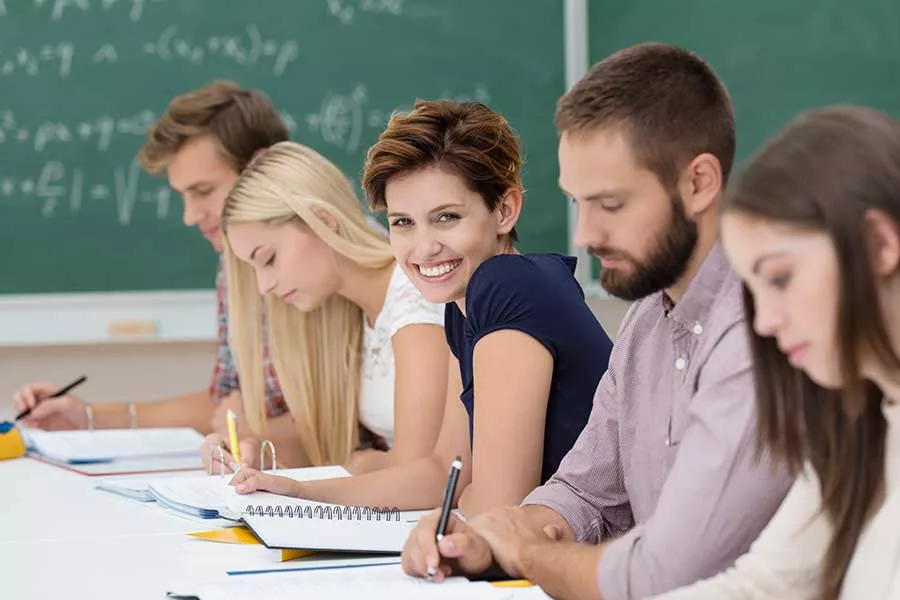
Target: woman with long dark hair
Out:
[813,228]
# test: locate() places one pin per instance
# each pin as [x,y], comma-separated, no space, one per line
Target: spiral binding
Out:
[330,513]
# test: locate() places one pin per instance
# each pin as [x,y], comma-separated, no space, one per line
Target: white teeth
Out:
[439,270]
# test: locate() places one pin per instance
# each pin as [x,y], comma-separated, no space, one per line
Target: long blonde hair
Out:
[316,354]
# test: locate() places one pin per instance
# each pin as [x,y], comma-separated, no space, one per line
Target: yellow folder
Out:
[242,535]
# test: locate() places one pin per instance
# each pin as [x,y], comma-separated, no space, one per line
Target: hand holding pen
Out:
[442,535]
[50,407]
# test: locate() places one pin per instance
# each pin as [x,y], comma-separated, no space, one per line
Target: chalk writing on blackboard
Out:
[249,48]
[343,117]
[345,10]
[62,190]
[59,9]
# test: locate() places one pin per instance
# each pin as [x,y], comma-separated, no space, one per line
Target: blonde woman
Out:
[527,352]
[352,340]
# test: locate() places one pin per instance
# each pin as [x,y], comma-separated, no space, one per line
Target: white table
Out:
[60,535]
[61,538]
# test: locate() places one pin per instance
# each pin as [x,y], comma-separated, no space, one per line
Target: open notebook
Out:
[280,522]
[108,445]
[209,496]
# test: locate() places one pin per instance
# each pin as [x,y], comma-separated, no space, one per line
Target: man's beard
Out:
[666,263]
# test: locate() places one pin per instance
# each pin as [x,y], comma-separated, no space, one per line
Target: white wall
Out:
[125,372]
[116,372]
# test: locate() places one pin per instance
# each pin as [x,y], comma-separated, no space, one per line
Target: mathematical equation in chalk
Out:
[62,59]
[57,57]
[57,10]
[99,132]
[345,11]
[249,48]
[62,190]
[343,117]
[341,120]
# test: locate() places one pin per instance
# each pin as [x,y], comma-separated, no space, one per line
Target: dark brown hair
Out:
[825,172]
[668,101]
[466,138]
[242,121]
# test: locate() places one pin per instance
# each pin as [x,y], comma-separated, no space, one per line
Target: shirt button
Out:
[680,364]
[698,328]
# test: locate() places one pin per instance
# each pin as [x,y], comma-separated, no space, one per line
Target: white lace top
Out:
[403,305]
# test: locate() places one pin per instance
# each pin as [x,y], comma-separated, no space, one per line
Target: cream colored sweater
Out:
[784,561]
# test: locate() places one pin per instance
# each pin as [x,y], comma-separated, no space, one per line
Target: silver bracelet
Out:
[89,412]
[132,410]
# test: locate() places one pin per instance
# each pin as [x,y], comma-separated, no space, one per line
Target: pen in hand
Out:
[57,394]
[449,492]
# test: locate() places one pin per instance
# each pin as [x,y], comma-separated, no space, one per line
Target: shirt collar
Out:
[692,311]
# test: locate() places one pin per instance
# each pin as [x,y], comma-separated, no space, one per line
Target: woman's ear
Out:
[327,217]
[508,210]
[883,238]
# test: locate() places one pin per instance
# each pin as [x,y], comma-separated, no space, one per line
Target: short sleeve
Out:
[406,306]
[511,292]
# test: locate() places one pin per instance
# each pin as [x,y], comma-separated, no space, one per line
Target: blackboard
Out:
[82,79]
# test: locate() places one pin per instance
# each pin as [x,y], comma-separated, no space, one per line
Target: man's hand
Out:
[513,537]
[462,550]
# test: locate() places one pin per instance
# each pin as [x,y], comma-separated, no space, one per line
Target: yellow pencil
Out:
[232,437]
[513,583]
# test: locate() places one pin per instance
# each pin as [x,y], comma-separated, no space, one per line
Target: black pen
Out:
[58,393]
[449,492]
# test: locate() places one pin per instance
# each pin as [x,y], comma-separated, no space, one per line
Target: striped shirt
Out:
[225,376]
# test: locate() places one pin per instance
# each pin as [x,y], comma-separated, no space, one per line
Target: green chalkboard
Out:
[82,79]
[777,57]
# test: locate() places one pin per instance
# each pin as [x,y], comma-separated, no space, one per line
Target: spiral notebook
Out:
[331,527]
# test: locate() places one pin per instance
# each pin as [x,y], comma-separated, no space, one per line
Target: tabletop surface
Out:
[63,538]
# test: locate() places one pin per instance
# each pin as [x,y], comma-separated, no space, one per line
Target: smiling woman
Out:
[527,351]
[449,176]
[352,340]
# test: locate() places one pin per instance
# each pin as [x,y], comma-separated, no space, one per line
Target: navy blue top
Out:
[536,294]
